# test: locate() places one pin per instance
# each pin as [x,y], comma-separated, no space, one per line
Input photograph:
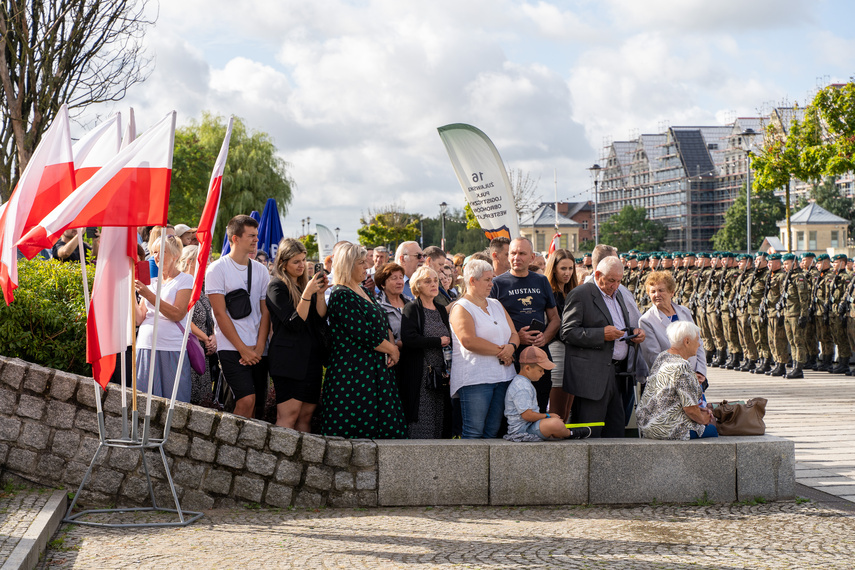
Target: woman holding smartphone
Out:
[296,354]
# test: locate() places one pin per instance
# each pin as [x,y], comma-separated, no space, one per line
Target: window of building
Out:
[800,240]
[541,242]
[563,241]
[835,238]
[811,240]
[584,224]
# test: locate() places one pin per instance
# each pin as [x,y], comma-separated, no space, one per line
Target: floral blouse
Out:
[671,386]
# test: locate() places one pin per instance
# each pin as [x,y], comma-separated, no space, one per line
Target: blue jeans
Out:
[709,431]
[482,407]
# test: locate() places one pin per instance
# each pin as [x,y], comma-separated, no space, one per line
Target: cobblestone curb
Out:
[28,518]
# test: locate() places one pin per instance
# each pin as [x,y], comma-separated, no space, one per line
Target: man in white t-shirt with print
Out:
[242,343]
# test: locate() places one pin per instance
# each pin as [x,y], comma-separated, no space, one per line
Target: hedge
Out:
[46,323]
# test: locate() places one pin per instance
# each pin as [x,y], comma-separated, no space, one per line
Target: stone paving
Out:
[775,535]
[18,509]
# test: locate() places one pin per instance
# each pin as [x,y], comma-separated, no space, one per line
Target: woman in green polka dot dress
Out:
[360,398]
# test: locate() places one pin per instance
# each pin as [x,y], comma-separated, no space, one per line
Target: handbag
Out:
[438,379]
[741,419]
[194,352]
[238,303]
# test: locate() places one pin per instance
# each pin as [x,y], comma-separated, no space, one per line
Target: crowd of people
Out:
[424,344]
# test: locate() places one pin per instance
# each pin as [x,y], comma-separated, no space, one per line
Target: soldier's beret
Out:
[622,256]
[774,257]
[704,255]
[690,254]
[654,255]
[822,257]
[762,254]
[579,260]
[586,254]
[788,256]
[808,254]
[631,256]
[633,251]
[842,256]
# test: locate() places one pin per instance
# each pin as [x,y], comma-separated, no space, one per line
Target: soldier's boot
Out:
[833,365]
[841,368]
[811,362]
[822,363]
[796,372]
[710,357]
[748,366]
[779,370]
[720,358]
[763,366]
[757,365]
[735,361]
[774,366]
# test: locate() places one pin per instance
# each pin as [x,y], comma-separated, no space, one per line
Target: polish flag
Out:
[108,323]
[98,147]
[47,181]
[131,190]
[555,243]
[205,232]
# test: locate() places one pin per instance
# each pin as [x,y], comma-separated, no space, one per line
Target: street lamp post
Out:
[595,170]
[303,226]
[748,138]
[308,225]
[443,208]
[336,233]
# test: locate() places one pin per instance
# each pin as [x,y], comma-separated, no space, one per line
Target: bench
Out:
[594,471]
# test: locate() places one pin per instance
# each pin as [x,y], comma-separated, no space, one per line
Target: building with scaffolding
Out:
[688,176]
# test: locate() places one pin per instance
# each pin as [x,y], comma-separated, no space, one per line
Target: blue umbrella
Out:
[270,229]
[226,247]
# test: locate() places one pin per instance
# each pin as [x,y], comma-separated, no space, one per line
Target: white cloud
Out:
[703,15]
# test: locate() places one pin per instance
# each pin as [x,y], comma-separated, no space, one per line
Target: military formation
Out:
[767,314]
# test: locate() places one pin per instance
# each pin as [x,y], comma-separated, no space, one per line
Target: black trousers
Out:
[609,409]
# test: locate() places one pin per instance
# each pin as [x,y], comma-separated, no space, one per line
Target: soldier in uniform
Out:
[667,263]
[641,297]
[811,273]
[714,313]
[777,333]
[823,325]
[728,313]
[835,293]
[631,272]
[796,298]
[704,281]
[739,296]
[758,322]
[680,274]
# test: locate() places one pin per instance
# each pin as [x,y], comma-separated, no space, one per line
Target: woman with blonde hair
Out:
[174,297]
[360,397]
[562,276]
[297,352]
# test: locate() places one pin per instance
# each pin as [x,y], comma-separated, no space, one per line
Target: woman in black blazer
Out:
[424,334]
[296,352]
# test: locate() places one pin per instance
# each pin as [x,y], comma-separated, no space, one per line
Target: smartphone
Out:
[537,326]
[319,268]
[143,272]
[90,232]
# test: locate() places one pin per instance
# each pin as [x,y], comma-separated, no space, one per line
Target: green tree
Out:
[588,245]
[467,241]
[828,136]
[766,210]
[253,172]
[311,243]
[471,220]
[630,229]
[388,226]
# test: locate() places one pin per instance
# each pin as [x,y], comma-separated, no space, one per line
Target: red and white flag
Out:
[47,181]
[96,148]
[205,232]
[108,322]
[555,243]
[131,190]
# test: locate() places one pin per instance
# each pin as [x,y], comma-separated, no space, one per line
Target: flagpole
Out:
[135,415]
[147,420]
[82,252]
[182,354]
[555,173]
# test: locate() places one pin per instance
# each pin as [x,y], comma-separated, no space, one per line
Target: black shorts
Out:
[306,390]
[244,380]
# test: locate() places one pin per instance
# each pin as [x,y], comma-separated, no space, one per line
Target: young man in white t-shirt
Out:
[242,343]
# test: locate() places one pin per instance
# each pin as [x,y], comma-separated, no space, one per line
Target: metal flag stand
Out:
[131,439]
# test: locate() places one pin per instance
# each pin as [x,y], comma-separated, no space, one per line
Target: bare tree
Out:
[52,52]
[524,187]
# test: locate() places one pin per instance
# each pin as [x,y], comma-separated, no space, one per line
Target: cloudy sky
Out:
[353,91]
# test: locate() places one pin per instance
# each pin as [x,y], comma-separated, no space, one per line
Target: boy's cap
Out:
[534,355]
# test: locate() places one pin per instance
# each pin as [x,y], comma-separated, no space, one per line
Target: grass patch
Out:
[702,501]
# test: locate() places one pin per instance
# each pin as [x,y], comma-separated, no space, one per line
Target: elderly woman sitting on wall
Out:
[673,404]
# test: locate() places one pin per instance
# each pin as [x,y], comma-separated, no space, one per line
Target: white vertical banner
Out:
[483,177]
[326,241]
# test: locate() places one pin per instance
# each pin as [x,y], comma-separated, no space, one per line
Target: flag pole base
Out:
[184,517]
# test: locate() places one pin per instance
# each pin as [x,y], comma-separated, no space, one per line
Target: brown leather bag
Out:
[741,419]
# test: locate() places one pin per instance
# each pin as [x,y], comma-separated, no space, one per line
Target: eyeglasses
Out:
[417,255]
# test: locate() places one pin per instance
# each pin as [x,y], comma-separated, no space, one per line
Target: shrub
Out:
[46,323]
